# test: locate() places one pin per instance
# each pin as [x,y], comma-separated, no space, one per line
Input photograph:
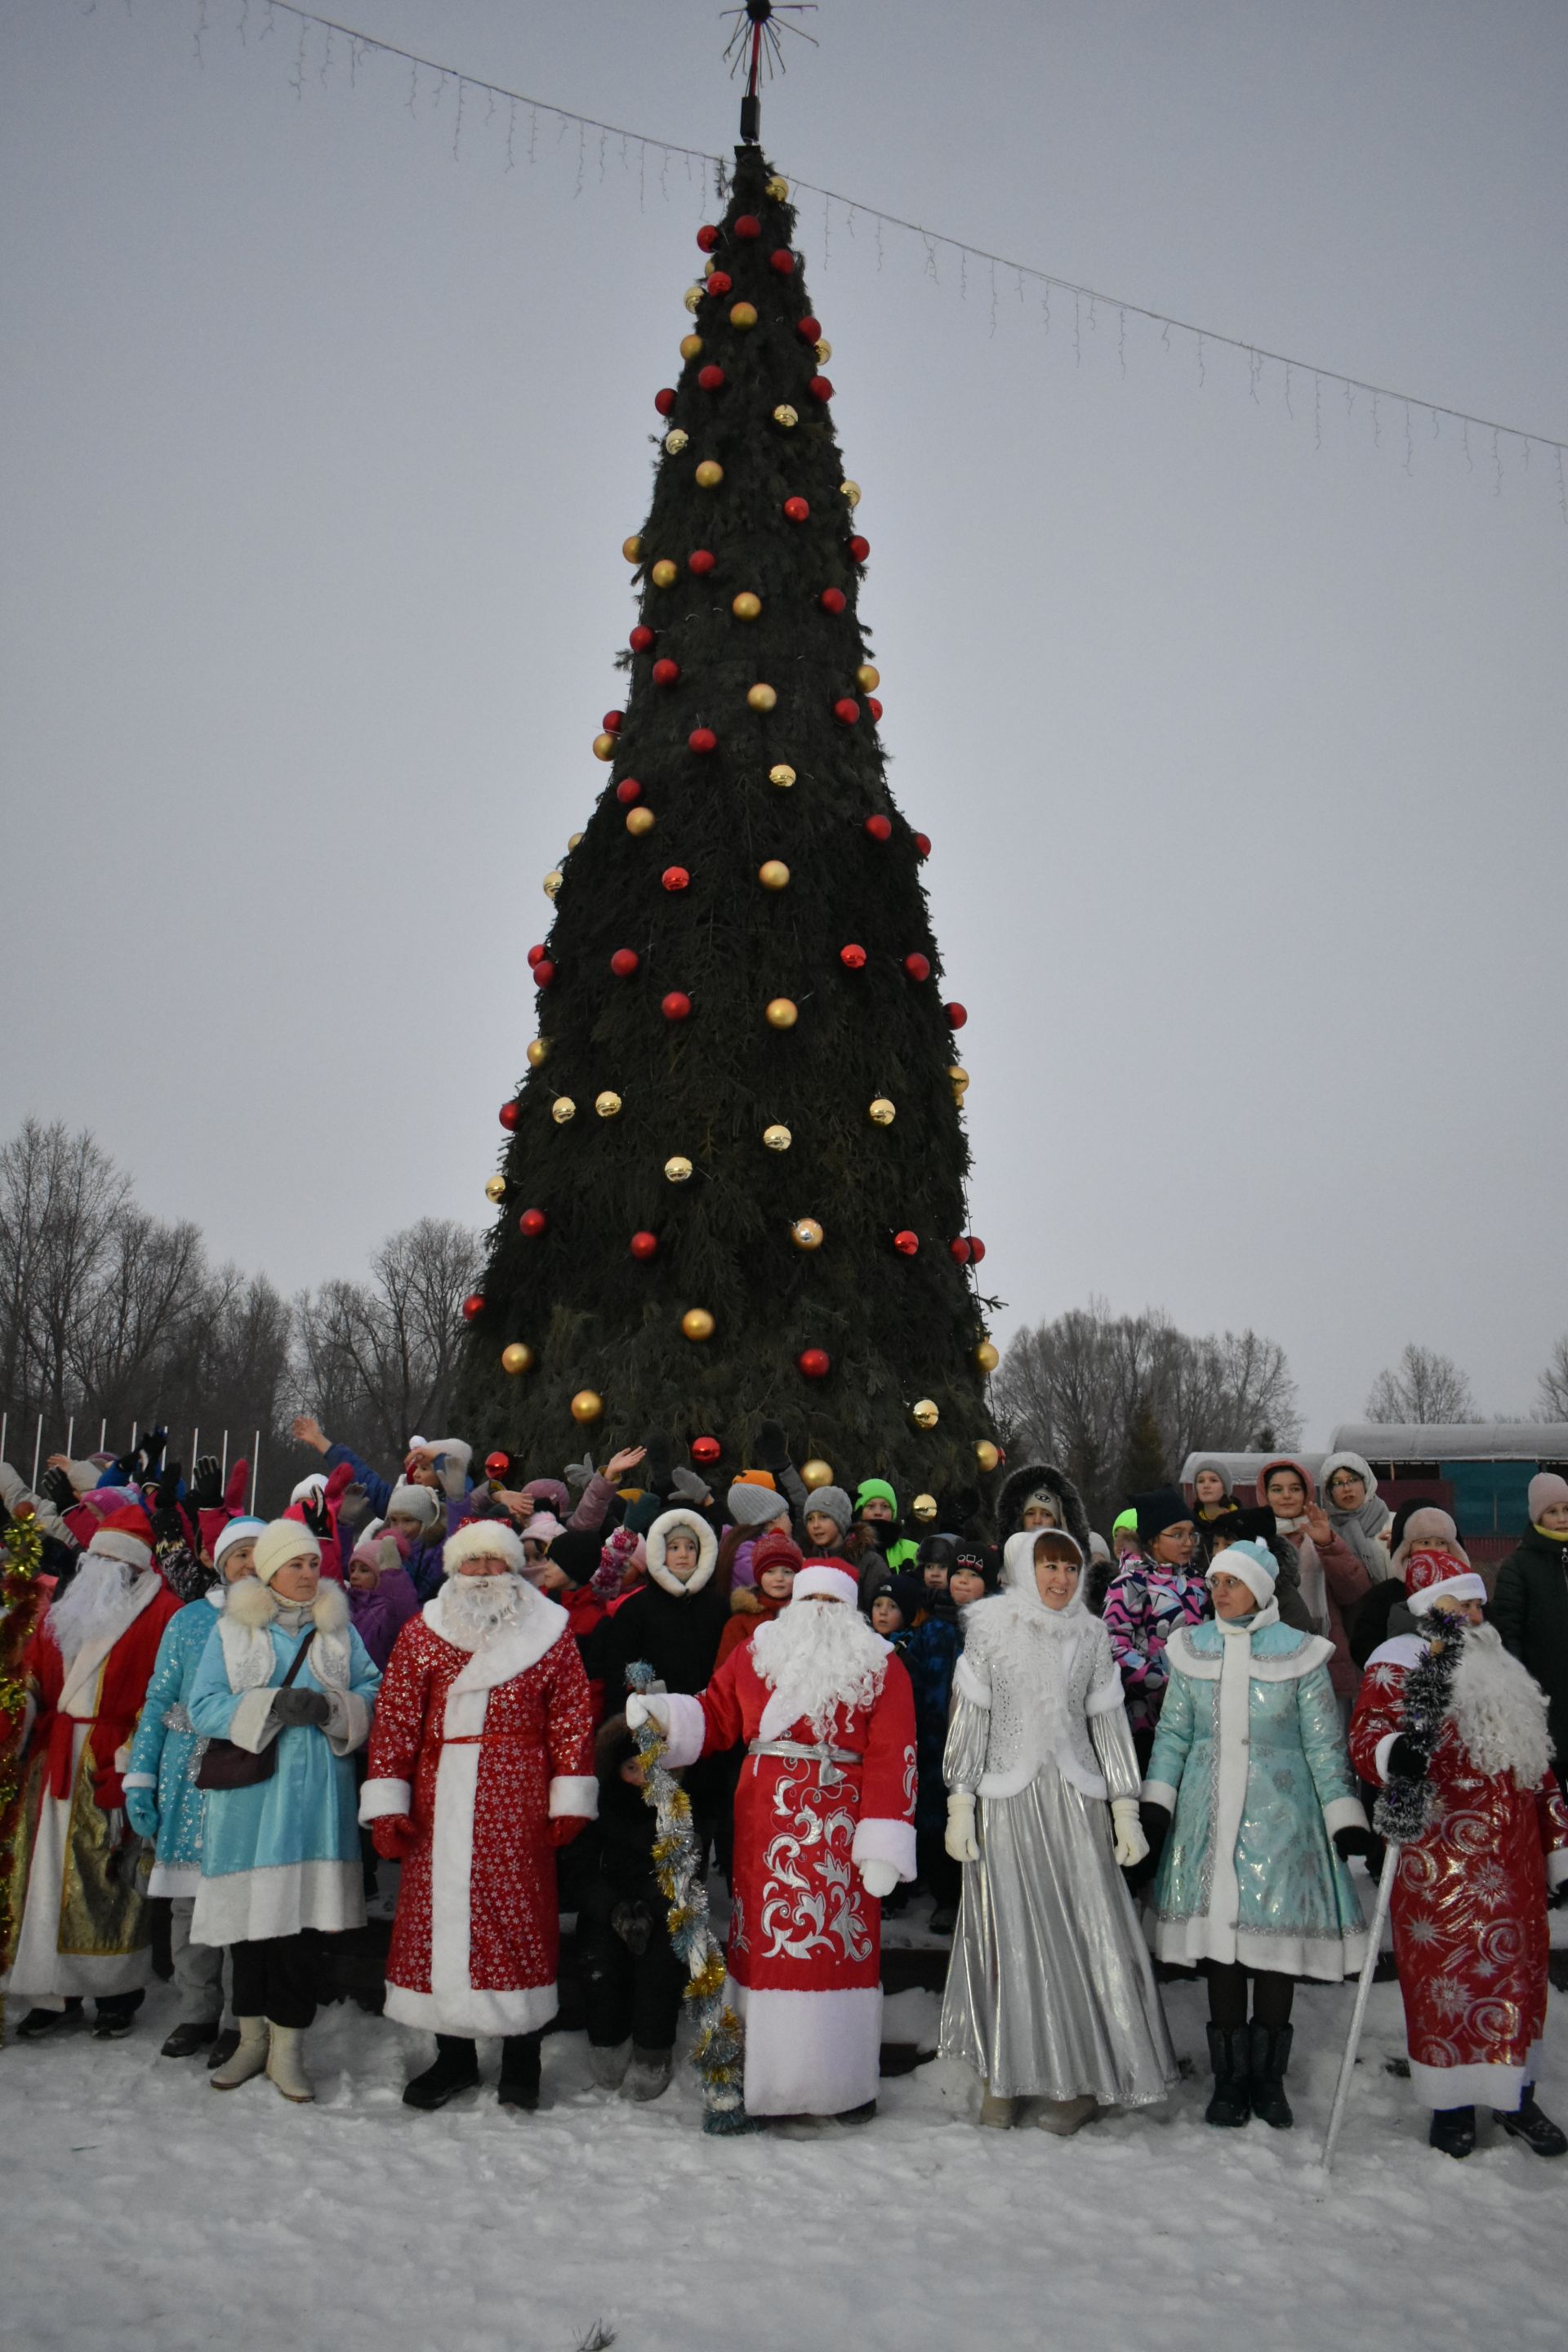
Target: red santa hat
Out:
[1434,1576]
[827,1581]
[125,1536]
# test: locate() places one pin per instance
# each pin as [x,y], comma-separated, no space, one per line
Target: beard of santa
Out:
[1499,1710]
[93,1604]
[474,1608]
[820,1656]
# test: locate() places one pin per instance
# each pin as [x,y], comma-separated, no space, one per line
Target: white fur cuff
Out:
[1159,1792]
[378,1798]
[138,1780]
[1108,1694]
[1344,1813]
[968,1685]
[1381,1752]
[885,1840]
[348,1724]
[1557,1866]
[688,1729]
[576,1793]
[252,1725]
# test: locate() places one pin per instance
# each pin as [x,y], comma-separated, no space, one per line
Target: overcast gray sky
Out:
[1243,756]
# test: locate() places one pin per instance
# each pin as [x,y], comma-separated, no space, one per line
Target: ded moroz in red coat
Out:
[484,1748]
[806,1939]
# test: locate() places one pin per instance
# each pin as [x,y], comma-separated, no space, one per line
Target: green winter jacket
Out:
[1530,1610]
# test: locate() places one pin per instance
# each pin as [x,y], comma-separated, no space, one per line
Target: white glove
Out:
[960,1841]
[1131,1845]
[879,1878]
[653,1708]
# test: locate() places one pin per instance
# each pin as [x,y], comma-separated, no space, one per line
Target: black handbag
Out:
[224,1765]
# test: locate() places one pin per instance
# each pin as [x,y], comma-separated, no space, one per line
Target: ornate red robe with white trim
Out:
[806,1939]
[483,1747]
[1469,1904]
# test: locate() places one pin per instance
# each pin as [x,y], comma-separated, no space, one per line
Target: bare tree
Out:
[1551,1402]
[379,1359]
[62,1200]
[1422,1387]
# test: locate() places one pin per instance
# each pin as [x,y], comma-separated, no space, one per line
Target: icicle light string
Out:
[932,241]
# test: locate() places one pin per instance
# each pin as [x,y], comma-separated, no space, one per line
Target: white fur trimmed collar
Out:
[1271,1665]
[245,1630]
[654,1542]
[505,1655]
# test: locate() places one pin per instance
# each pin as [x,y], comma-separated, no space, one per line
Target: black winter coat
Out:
[1530,1610]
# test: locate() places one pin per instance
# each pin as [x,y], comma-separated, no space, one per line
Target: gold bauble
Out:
[777,1138]
[691,347]
[709,474]
[587,1405]
[782,1013]
[761,697]
[985,1455]
[881,1113]
[517,1359]
[745,607]
[495,1187]
[777,189]
[603,747]
[639,820]
[692,296]
[562,1109]
[824,350]
[538,1052]
[868,677]
[958,1077]
[632,549]
[785,415]
[781,775]
[743,315]
[923,1508]
[806,1234]
[676,440]
[677,1168]
[987,1356]
[607,1105]
[774,875]
[851,490]
[815,1473]
[573,839]
[665,574]
[697,1323]
[552,883]
[924,1414]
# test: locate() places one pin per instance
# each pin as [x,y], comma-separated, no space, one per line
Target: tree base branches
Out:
[19,1599]
[1405,1810]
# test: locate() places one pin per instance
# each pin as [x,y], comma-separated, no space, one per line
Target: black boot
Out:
[116,2013]
[1538,2132]
[457,2068]
[186,2040]
[1229,2055]
[1453,2130]
[519,2085]
[224,2047]
[39,2024]
[1271,2054]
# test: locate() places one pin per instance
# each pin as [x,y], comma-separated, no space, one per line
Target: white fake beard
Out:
[474,1607]
[1500,1711]
[93,1604]
[820,1656]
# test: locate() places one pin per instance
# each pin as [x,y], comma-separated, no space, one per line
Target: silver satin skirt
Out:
[1050,1993]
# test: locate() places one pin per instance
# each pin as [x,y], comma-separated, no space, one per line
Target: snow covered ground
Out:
[140,2208]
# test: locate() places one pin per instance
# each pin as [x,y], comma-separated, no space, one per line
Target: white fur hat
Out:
[311,1489]
[821,1577]
[484,1540]
[236,1531]
[119,1543]
[1252,1564]
[280,1542]
[669,1523]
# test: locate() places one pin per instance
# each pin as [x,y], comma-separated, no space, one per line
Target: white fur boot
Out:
[249,2059]
[285,2064]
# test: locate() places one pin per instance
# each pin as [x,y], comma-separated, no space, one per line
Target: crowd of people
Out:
[1106,1763]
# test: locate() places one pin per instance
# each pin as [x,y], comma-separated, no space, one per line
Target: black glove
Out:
[1353,1839]
[206,1484]
[55,1486]
[317,1517]
[151,1449]
[657,1469]
[296,1706]
[772,1447]
[1405,1761]
[168,1527]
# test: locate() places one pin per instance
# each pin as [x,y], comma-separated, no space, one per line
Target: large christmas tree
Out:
[732,1186]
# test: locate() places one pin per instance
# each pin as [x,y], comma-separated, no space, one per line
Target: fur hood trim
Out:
[1019,1484]
[658,1535]
[254,1605]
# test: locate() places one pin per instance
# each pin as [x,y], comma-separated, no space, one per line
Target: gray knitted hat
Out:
[751,1505]
[835,1502]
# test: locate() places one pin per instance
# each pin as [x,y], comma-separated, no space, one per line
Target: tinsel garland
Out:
[1404,1810]
[719,2049]
[24,1550]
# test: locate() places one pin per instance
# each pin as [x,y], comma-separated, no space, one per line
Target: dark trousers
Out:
[626,1995]
[275,1978]
[943,1876]
[1272,1995]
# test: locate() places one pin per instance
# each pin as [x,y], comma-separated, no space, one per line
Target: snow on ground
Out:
[141,2208]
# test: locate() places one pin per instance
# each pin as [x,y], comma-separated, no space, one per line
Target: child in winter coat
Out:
[382,1598]
[633,1983]
[826,1521]
[931,1653]
[1153,1592]
[775,1560]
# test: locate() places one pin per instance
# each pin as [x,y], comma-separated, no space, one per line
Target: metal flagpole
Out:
[37,1450]
[4,1423]
[223,1470]
[1363,1994]
[102,1432]
[71,1433]
[255,1470]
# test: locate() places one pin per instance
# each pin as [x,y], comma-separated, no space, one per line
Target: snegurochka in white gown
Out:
[1050,1993]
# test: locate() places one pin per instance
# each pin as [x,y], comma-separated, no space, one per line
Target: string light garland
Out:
[1302,379]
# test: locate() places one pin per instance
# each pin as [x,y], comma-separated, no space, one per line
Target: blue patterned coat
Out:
[166,1750]
[1250,1760]
[930,1654]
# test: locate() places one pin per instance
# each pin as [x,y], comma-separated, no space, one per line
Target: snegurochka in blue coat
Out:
[1251,1805]
[281,1857]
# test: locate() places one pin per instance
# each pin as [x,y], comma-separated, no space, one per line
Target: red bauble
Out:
[881,828]
[706,1449]
[624,962]
[675,877]
[814,1363]
[749,226]
[796,510]
[641,638]
[473,1306]
[957,1014]
[544,972]
[873,706]
[535,956]
[820,388]
[664,400]
[496,1465]
[976,1249]
[782,260]
[627,791]
[645,1246]
[533,1223]
[509,1115]
[906,1243]
[959,1251]
[709,238]
[832,600]
[666,672]
[702,739]
[847,710]
[918,966]
[809,329]
[614,720]
[702,561]
[710,377]
[853,957]
[676,1006]
[922,845]
[718,282]
[860,548]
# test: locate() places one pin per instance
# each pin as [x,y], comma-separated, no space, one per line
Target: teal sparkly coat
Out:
[166,1749]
